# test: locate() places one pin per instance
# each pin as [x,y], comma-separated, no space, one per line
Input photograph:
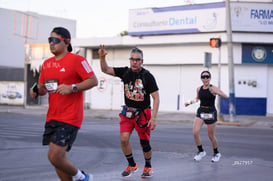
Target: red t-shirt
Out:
[71,69]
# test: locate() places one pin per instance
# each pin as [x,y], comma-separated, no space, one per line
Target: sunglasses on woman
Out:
[205,76]
[56,40]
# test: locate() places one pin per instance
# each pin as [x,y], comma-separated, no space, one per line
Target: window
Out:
[95,54]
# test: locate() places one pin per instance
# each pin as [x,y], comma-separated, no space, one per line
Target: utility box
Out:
[207,62]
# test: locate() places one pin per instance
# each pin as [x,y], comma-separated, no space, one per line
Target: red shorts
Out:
[128,125]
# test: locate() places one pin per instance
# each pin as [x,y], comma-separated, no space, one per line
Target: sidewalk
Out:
[240,120]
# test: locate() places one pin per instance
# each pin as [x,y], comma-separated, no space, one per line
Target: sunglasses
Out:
[135,59]
[55,40]
[205,76]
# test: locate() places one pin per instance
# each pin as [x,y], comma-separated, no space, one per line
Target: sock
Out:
[200,148]
[215,150]
[79,176]
[148,162]
[130,160]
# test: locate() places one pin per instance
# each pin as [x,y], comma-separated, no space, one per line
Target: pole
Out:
[25,61]
[220,117]
[230,64]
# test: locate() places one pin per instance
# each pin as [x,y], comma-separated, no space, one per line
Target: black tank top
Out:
[206,98]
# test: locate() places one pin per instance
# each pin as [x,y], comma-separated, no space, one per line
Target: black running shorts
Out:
[60,133]
[211,111]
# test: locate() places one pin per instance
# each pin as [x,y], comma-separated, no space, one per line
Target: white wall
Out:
[245,74]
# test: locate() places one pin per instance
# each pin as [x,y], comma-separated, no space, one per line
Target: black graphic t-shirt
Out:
[137,86]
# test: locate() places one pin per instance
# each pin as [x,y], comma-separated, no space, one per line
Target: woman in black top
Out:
[207,114]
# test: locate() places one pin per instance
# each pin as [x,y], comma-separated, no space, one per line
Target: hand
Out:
[152,122]
[32,93]
[212,90]
[102,52]
[186,104]
[64,89]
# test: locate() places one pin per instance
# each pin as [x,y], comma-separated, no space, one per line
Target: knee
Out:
[124,141]
[145,144]
[211,136]
[195,133]
[55,157]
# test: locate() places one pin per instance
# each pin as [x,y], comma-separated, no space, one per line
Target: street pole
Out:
[220,117]
[25,62]
[230,64]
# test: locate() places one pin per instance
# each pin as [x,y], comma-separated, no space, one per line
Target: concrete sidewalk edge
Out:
[174,116]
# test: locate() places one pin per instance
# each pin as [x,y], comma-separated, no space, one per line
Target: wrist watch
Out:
[74,88]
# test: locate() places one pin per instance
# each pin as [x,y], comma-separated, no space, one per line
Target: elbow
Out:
[104,70]
[96,83]
[93,83]
[225,97]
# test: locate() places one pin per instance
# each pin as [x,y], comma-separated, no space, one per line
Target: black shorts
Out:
[60,133]
[211,110]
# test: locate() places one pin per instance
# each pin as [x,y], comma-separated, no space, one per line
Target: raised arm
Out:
[216,91]
[103,64]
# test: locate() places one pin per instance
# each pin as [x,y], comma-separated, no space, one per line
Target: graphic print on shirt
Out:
[135,91]
[52,65]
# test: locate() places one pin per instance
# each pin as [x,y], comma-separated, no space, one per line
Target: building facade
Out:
[18,30]
[175,40]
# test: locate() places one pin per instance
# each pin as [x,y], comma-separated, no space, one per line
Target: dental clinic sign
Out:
[210,17]
[252,17]
[177,19]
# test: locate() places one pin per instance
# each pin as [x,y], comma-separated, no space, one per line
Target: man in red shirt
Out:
[64,77]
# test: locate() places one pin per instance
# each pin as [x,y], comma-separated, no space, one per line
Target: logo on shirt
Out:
[62,70]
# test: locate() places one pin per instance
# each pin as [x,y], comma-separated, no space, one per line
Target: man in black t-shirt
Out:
[139,85]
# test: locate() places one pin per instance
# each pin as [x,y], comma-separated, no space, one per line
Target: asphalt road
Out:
[247,152]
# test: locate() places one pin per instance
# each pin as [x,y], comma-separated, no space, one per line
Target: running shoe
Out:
[147,172]
[216,157]
[129,171]
[88,177]
[199,156]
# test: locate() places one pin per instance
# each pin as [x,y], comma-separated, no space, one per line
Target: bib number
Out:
[207,116]
[51,85]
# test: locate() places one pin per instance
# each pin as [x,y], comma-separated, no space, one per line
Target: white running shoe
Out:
[216,157]
[199,156]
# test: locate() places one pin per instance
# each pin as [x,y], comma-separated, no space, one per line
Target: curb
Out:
[235,123]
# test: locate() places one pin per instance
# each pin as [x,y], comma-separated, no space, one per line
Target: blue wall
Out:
[246,106]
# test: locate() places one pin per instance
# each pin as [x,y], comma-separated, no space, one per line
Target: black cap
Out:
[64,34]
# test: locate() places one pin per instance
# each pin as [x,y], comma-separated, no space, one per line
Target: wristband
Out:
[193,101]
[153,118]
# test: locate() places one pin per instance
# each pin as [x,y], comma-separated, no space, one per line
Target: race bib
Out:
[51,85]
[207,116]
